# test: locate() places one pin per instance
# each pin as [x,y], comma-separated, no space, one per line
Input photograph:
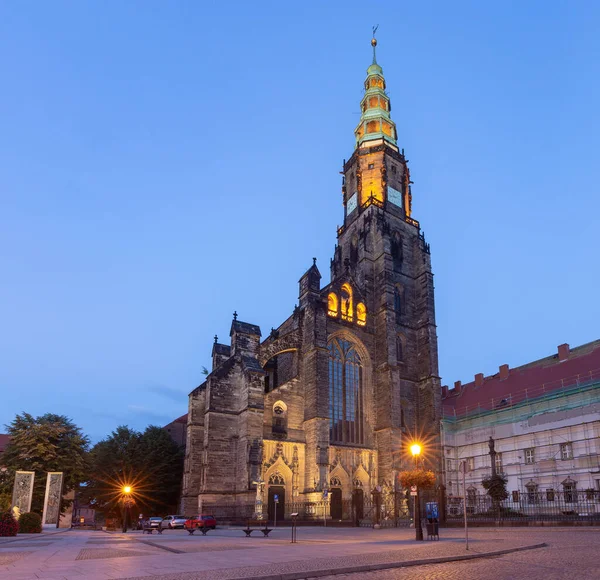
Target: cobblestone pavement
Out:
[570,554]
[227,554]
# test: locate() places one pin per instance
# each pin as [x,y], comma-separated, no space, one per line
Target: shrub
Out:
[30,523]
[419,477]
[8,524]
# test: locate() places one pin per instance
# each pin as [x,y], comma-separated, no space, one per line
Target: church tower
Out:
[315,417]
[382,255]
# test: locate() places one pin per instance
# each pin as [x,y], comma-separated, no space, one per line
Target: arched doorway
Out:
[276,488]
[358,502]
[336,504]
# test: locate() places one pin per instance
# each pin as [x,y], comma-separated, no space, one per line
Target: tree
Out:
[419,477]
[150,462]
[495,486]
[46,443]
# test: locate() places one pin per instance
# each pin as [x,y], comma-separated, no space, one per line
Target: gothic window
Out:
[347,305]
[361,314]
[280,418]
[399,349]
[276,479]
[345,393]
[357,483]
[335,482]
[398,305]
[397,253]
[332,304]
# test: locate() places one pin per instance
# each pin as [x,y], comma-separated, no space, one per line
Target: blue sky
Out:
[165,163]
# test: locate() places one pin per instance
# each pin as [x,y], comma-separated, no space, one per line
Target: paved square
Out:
[227,554]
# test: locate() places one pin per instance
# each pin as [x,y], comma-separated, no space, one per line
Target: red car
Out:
[201,521]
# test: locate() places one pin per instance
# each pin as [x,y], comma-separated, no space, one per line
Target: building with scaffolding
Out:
[544,418]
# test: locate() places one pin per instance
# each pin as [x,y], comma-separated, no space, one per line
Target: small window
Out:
[530,456]
[499,462]
[549,495]
[515,496]
[470,463]
[371,165]
[393,169]
[566,451]
[532,495]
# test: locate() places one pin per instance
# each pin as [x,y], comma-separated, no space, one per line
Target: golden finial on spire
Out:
[374,43]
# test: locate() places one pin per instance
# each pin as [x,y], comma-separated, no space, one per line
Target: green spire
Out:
[375,121]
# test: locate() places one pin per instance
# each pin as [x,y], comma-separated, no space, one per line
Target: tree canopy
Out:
[150,462]
[41,444]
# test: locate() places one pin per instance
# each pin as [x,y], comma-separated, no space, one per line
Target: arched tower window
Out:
[399,349]
[361,314]
[332,304]
[398,304]
[346,422]
[347,304]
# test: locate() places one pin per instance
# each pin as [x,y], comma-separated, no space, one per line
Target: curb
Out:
[387,565]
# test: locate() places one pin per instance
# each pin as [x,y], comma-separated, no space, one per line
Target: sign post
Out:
[276,501]
[325,493]
[463,468]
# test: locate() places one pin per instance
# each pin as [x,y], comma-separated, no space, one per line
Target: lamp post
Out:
[126,505]
[415,449]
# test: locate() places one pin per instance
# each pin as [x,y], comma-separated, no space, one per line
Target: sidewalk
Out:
[227,554]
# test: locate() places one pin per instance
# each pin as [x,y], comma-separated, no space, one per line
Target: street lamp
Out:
[416,449]
[126,505]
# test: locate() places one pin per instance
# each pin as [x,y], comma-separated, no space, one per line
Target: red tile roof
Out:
[532,380]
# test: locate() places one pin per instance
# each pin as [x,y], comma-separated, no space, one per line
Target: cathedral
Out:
[320,411]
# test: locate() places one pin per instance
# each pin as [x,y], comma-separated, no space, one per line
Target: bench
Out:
[265,530]
[192,529]
[148,529]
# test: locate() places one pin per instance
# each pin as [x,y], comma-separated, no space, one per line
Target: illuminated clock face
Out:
[351,205]
[395,196]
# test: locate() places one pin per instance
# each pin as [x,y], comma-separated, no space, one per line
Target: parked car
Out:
[201,521]
[154,522]
[174,522]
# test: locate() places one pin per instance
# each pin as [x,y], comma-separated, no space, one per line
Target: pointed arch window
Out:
[347,303]
[398,304]
[399,349]
[332,304]
[345,393]
[361,314]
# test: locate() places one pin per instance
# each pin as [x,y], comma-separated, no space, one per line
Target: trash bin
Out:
[433,529]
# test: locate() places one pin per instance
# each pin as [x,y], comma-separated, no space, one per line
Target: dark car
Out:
[201,521]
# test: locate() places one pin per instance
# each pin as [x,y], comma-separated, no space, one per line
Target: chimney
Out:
[563,352]
[444,391]
[503,372]
[457,387]
[479,380]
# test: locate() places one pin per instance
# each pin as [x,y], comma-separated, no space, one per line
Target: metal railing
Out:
[547,506]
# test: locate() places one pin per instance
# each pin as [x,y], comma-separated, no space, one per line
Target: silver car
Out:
[174,522]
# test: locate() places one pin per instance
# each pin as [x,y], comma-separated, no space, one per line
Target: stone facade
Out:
[329,399]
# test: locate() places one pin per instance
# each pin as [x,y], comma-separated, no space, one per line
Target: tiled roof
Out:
[535,379]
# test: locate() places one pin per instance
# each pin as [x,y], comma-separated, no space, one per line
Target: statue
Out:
[492,445]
